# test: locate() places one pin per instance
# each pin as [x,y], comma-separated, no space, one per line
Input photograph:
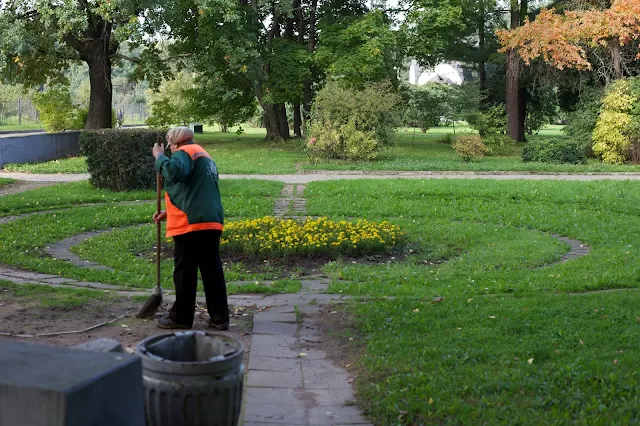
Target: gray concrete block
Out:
[280,396]
[331,397]
[53,386]
[101,345]
[273,351]
[273,364]
[336,415]
[327,381]
[274,340]
[275,413]
[275,316]
[275,379]
[270,327]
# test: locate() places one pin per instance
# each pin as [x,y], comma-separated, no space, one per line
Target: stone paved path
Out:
[307,177]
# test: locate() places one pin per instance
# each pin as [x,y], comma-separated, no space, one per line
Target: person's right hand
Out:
[159,217]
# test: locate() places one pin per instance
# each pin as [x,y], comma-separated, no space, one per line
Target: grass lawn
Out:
[62,165]
[13,126]
[52,297]
[249,153]
[22,241]
[513,341]
[4,182]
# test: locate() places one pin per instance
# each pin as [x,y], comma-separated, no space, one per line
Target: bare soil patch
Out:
[21,316]
[286,267]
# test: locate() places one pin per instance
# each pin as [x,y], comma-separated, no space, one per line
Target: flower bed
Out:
[269,236]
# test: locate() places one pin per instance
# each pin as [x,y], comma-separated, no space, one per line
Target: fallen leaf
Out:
[334,312]
[350,381]
[581,342]
[615,362]
[469,300]
[530,360]
[437,300]
[416,310]
[348,365]
[430,401]
[492,316]
[124,326]
[301,354]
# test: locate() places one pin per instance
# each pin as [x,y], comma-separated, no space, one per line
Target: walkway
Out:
[307,177]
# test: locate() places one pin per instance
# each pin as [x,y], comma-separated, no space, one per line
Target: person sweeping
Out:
[195,218]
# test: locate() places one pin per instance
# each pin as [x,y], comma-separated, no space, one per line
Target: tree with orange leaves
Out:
[562,40]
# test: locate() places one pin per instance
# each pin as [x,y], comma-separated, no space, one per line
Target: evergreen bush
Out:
[554,150]
[120,159]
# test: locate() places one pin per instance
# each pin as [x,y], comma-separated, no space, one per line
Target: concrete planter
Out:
[38,147]
[192,378]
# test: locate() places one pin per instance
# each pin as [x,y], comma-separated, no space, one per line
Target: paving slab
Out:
[330,415]
[281,396]
[266,363]
[326,381]
[273,352]
[275,379]
[272,327]
[275,316]
[274,340]
[275,413]
[324,397]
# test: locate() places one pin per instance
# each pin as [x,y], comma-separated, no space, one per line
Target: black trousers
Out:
[193,251]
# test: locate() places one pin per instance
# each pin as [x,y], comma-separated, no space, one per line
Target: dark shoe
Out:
[170,324]
[222,326]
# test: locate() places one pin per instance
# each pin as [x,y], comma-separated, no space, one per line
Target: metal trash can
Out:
[192,378]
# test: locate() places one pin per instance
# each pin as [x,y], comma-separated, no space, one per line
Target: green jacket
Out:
[191,188]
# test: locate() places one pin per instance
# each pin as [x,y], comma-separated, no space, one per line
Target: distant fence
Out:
[19,111]
[34,148]
[22,111]
[132,113]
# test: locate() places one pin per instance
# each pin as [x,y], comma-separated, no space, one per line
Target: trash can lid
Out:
[190,346]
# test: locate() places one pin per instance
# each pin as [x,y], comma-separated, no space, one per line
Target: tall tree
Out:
[516,94]
[40,38]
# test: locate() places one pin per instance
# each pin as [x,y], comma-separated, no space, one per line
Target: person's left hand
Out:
[157,150]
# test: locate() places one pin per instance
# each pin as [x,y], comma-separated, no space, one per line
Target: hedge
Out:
[554,151]
[120,159]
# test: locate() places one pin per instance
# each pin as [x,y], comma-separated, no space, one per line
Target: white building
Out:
[447,73]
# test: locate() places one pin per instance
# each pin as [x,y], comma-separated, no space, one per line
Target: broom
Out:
[153,303]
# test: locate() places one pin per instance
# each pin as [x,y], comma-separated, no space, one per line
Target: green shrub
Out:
[469,147]
[343,142]
[374,110]
[56,110]
[491,122]
[120,159]
[612,136]
[500,145]
[427,104]
[556,150]
[582,120]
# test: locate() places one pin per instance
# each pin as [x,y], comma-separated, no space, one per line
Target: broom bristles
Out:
[150,307]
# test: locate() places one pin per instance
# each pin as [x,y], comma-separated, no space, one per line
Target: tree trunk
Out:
[307,96]
[513,82]
[617,59]
[271,122]
[283,121]
[522,113]
[482,72]
[100,81]
[297,121]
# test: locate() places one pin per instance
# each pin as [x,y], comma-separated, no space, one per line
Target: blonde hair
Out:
[179,135]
